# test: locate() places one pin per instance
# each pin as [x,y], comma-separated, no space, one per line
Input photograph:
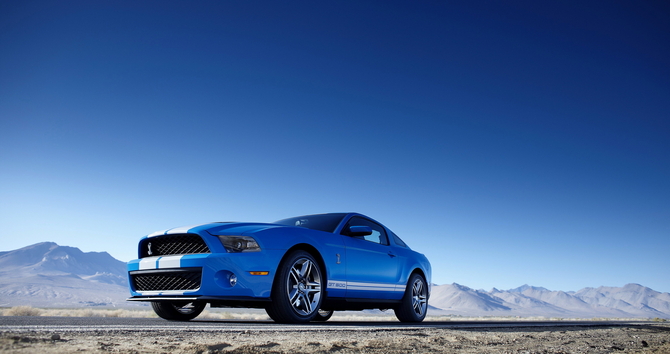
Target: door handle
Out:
[392,255]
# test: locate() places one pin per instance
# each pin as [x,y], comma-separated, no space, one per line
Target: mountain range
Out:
[48,275]
[629,301]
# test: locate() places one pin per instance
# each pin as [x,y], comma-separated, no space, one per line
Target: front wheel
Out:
[297,290]
[415,301]
[178,311]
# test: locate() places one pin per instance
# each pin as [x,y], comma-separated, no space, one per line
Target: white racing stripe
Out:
[336,284]
[169,262]
[149,263]
[181,230]
[370,286]
[157,233]
[160,262]
[176,230]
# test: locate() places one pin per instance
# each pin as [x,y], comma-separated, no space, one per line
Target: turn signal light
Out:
[259,273]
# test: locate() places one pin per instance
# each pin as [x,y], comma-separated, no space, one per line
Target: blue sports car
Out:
[298,269]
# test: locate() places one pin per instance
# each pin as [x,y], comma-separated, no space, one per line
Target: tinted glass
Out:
[378,234]
[321,222]
[398,241]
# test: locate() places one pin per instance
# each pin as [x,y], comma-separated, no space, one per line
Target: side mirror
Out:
[360,230]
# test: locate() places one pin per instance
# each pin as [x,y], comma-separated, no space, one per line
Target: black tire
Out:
[298,289]
[178,311]
[323,315]
[415,301]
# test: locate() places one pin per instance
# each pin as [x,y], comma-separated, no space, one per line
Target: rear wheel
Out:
[178,311]
[415,301]
[297,290]
[323,315]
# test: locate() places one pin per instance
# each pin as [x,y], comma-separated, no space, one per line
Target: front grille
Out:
[183,279]
[173,244]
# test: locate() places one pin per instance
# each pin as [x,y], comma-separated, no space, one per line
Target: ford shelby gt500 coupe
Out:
[298,269]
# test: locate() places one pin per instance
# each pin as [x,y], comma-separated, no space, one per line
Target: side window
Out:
[398,241]
[378,234]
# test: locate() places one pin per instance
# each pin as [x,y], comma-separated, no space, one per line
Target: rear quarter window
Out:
[398,241]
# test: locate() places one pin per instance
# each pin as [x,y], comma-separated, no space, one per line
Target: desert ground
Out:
[488,336]
[638,338]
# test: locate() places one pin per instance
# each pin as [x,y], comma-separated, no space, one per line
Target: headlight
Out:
[235,244]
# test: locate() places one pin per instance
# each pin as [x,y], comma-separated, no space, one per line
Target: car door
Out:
[371,264]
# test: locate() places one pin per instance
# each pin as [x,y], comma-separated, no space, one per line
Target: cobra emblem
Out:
[149,249]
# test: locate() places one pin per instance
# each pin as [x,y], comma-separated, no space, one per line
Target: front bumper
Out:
[216,271]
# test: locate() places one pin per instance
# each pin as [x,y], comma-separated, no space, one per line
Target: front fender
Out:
[330,248]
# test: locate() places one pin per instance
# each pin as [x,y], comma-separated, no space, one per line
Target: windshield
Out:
[321,222]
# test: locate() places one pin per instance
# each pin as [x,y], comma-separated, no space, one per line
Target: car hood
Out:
[219,228]
[239,228]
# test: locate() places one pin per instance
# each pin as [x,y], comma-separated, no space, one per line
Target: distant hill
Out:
[630,301]
[48,275]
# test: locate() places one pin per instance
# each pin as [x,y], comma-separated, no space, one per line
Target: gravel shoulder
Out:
[638,338]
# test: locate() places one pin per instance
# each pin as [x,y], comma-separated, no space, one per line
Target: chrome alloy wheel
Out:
[419,295]
[304,286]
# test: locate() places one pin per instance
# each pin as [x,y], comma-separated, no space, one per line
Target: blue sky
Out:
[511,143]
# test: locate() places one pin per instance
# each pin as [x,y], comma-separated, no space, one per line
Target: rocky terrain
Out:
[641,338]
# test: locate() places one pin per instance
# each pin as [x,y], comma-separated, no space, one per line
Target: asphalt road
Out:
[94,324]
